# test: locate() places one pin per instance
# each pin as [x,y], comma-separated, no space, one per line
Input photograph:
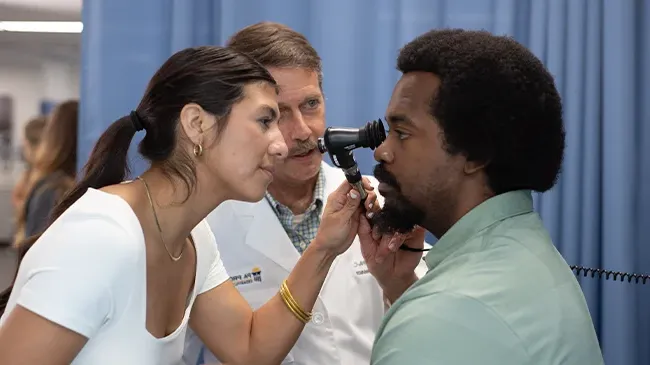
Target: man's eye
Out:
[312,103]
[400,135]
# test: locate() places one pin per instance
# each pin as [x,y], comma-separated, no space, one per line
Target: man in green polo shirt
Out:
[475,127]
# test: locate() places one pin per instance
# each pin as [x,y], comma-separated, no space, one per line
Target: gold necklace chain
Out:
[155,216]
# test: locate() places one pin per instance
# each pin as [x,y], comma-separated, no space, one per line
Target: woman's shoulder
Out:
[204,240]
[97,219]
[95,234]
[99,205]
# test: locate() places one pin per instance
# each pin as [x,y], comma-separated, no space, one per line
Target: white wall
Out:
[30,80]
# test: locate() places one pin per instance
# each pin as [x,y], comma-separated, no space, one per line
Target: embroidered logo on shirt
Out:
[257,274]
[254,276]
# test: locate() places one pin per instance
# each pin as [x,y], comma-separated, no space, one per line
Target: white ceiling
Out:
[25,46]
[66,6]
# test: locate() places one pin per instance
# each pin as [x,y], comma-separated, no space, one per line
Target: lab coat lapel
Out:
[266,235]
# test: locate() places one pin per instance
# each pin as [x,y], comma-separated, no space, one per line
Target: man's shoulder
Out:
[449,319]
[420,299]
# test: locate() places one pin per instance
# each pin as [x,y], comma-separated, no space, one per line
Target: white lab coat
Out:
[349,308]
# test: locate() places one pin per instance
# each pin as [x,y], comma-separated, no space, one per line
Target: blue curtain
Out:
[598,214]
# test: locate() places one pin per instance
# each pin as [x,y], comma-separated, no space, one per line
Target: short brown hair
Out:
[34,130]
[277,45]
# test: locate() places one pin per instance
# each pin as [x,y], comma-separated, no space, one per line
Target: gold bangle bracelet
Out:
[291,303]
[294,307]
[296,311]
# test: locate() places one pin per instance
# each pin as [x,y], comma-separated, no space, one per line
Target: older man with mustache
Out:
[260,243]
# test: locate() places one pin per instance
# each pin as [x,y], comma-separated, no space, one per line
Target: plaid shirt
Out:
[303,233]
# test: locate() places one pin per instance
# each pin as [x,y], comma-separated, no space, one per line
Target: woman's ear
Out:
[191,120]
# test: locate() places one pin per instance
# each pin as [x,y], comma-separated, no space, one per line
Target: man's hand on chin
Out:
[393,268]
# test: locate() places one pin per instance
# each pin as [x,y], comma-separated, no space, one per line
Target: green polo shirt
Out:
[497,293]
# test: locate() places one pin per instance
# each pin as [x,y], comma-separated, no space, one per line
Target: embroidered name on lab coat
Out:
[360,267]
[254,276]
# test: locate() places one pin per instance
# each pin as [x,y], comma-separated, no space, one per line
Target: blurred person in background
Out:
[266,239]
[53,171]
[31,137]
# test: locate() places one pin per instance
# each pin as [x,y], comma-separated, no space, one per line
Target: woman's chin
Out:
[252,196]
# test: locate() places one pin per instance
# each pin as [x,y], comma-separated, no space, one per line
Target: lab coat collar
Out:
[265,234]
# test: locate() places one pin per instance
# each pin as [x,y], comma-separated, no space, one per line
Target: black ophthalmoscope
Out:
[340,142]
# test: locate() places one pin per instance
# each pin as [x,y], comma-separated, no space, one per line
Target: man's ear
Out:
[472,167]
[191,120]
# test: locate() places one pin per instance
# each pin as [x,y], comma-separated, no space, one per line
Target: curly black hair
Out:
[496,103]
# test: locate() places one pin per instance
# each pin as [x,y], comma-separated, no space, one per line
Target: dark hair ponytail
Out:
[107,164]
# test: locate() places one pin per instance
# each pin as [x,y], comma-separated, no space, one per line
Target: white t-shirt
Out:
[87,273]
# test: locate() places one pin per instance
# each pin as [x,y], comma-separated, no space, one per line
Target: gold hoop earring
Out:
[198,150]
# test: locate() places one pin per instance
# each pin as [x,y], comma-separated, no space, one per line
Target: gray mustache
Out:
[303,147]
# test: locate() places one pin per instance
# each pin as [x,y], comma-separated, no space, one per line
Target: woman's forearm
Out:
[274,328]
[237,335]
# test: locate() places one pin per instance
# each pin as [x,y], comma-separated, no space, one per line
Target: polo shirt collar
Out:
[484,215]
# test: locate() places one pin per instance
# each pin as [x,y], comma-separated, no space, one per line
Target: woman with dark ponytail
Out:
[125,266]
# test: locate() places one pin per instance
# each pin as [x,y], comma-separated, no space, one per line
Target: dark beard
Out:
[398,214]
